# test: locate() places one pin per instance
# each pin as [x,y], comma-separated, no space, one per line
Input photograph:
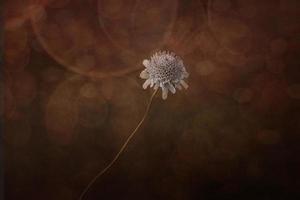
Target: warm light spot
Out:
[125,93]
[208,43]
[243,95]
[221,81]
[72,39]
[61,113]
[107,88]
[224,55]
[92,106]
[88,90]
[85,62]
[36,12]
[233,34]
[205,68]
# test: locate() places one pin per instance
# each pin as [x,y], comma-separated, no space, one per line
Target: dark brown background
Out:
[72,95]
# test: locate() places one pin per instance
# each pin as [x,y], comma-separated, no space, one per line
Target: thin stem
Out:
[120,151]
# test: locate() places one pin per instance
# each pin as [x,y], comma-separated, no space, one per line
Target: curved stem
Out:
[120,151]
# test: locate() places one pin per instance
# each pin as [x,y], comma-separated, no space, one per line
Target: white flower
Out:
[165,70]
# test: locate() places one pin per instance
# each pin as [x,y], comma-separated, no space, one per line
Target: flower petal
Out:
[152,83]
[144,74]
[185,74]
[146,84]
[164,93]
[178,86]
[146,63]
[171,88]
[184,84]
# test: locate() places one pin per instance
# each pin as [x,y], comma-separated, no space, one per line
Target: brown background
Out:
[72,95]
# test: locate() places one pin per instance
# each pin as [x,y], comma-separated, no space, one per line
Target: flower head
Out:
[165,70]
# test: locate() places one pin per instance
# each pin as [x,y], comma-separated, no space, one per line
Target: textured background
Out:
[72,95]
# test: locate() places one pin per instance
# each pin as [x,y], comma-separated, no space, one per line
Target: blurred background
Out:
[72,94]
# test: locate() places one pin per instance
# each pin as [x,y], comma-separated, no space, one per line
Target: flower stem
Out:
[120,151]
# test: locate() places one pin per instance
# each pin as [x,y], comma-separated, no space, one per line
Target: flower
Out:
[165,70]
